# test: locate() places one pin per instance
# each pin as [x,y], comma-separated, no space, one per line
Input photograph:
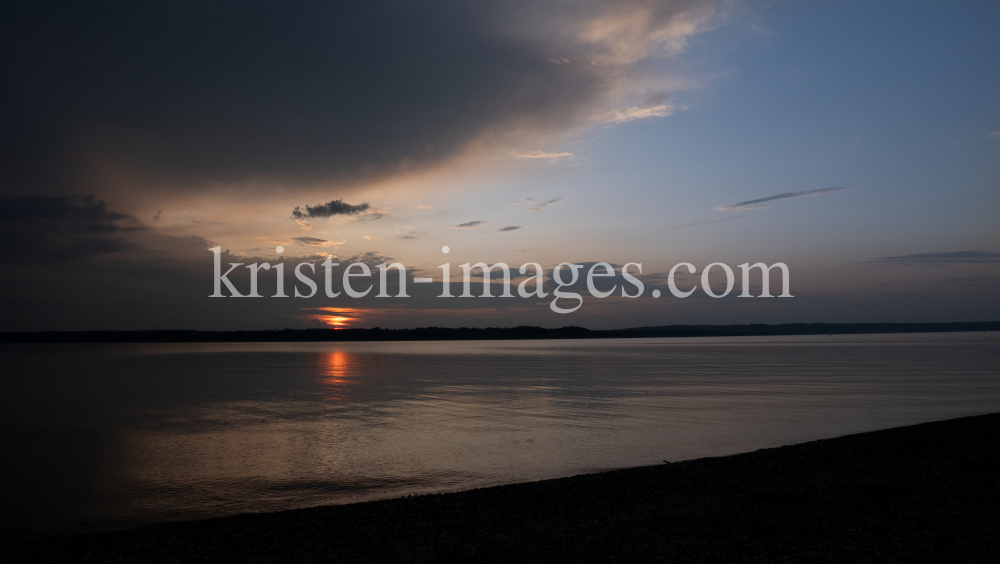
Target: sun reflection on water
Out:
[336,372]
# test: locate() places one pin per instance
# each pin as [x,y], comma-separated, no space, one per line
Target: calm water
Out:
[105,436]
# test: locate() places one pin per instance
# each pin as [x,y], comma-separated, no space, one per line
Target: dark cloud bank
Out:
[46,229]
[236,90]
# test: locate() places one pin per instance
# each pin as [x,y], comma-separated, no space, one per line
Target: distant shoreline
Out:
[919,493]
[490,333]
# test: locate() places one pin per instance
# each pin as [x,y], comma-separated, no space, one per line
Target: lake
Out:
[104,436]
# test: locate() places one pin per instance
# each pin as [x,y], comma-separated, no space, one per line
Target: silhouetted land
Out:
[923,493]
[490,333]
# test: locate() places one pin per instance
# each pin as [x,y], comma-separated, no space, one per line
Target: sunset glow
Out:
[337,318]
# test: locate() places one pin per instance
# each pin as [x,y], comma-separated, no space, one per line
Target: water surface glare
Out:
[103,436]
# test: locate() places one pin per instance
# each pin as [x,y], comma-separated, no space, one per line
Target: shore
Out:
[922,493]
[488,333]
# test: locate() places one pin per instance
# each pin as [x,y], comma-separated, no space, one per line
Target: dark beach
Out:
[922,493]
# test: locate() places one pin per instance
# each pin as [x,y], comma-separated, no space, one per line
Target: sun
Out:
[338,318]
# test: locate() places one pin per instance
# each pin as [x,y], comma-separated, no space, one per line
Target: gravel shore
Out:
[922,493]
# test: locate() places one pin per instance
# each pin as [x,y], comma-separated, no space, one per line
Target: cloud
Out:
[730,218]
[370,215]
[534,205]
[994,135]
[958,257]
[336,207]
[539,206]
[510,228]
[38,228]
[370,258]
[657,109]
[469,224]
[83,213]
[752,204]
[313,241]
[346,92]
[425,207]
[627,32]
[159,213]
[538,155]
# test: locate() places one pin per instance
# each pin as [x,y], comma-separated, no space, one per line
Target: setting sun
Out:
[334,317]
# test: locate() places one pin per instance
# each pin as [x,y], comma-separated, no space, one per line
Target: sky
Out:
[858,143]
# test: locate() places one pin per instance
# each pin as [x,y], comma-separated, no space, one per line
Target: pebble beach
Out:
[921,493]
